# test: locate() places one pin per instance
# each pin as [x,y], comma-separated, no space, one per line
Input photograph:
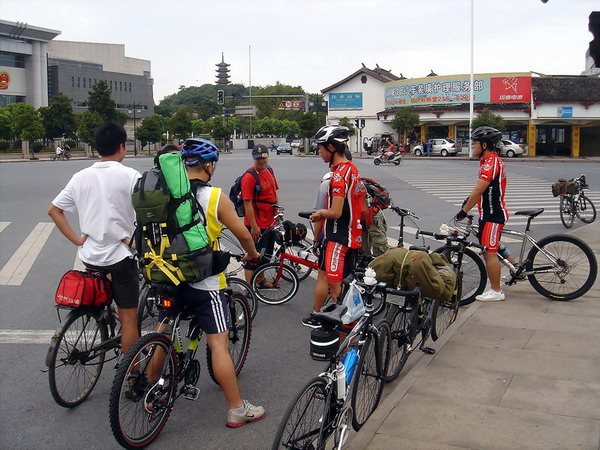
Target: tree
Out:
[308,125]
[99,101]
[181,124]
[490,119]
[198,127]
[87,122]
[151,129]
[58,118]
[26,122]
[345,122]
[405,121]
[5,121]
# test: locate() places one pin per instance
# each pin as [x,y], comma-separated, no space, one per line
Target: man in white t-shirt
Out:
[101,196]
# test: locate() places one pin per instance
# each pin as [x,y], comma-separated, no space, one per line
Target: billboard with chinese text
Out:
[344,101]
[487,88]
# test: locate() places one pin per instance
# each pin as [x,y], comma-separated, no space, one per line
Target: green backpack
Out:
[171,237]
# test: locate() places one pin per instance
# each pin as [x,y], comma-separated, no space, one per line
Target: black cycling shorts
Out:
[124,279]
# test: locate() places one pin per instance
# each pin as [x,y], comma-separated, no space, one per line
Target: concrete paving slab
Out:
[524,362]
[494,336]
[567,398]
[484,388]
[442,421]
[385,442]
[576,343]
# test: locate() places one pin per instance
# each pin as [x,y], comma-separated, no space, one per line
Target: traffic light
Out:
[357,122]
[362,123]
[594,28]
[220,97]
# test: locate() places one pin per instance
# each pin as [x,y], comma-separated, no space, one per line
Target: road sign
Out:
[245,111]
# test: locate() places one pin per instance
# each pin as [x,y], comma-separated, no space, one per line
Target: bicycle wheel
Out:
[240,332]
[564,267]
[227,241]
[143,391]
[147,312]
[402,319]
[301,270]
[239,286]
[309,420]
[73,366]
[474,274]
[283,283]
[446,313]
[369,379]
[566,211]
[585,209]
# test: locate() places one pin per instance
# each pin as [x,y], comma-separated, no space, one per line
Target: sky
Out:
[315,43]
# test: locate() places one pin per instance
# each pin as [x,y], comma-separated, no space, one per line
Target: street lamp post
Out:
[134,110]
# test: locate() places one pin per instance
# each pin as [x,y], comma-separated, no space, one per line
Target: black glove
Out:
[465,202]
[461,215]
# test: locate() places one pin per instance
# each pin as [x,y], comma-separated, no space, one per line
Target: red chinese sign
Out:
[510,90]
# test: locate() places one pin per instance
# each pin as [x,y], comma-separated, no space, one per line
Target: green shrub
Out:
[37,147]
[71,143]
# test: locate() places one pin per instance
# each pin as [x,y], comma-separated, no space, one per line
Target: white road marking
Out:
[78,264]
[26,336]
[3,225]
[18,266]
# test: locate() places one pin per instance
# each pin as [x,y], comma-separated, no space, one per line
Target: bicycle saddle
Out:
[305,214]
[331,314]
[530,212]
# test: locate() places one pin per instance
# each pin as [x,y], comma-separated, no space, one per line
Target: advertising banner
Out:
[291,104]
[487,88]
[345,101]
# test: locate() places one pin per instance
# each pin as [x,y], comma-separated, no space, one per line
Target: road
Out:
[34,255]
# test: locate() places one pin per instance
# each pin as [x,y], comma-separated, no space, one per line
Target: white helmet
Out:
[331,134]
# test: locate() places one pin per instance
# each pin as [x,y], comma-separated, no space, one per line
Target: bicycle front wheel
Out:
[401,320]
[308,422]
[564,267]
[73,365]
[275,283]
[369,379]
[240,332]
[474,274]
[447,311]
[585,209]
[239,286]
[566,211]
[143,391]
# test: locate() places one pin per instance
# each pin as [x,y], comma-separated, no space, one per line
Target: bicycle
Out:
[349,389]
[146,384]
[78,349]
[575,203]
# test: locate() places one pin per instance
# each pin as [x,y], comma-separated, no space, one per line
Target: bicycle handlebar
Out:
[403,212]
[305,214]
[451,236]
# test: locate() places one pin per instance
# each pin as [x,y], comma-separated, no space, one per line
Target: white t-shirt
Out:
[58,150]
[101,195]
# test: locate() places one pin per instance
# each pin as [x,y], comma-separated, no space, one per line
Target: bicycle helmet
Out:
[197,150]
[486,133]
[331,134]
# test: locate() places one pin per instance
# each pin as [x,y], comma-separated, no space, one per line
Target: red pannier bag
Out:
[78,288]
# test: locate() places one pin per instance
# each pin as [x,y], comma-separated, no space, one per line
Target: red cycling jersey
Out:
[491,205]
[347,229]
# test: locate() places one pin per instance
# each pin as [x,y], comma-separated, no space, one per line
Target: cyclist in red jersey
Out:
[488,194]
[342,228]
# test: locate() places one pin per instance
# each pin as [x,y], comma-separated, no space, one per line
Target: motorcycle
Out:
[395,159]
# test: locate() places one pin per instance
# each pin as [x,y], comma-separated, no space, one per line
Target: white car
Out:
[510,149]
[297,143]
[442,147]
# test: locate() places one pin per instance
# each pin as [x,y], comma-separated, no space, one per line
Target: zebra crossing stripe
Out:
[3,225]
[26,336]
[18,266]
[78,264]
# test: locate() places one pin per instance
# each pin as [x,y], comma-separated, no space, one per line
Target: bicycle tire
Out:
[301,270]
[401,319]
[240,286]
[446,312]
[574,273]
[474,274]
[147,312]
[566,211]
[136,422]
[227,241]
[368,382]
[308,422]
[71,378]
[240,334]
[282,277]
[585,209]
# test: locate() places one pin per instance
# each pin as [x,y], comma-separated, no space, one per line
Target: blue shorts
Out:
[209,307]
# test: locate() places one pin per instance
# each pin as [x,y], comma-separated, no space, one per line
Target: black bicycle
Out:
[574,202]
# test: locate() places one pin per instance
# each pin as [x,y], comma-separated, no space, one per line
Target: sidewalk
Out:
[523,373]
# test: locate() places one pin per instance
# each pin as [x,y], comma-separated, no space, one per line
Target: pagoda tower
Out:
[222,72]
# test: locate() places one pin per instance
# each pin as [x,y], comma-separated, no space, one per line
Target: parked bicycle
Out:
[158,369]
[81,345]
[347,392]
[574,202]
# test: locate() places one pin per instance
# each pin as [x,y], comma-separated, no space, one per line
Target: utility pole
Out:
[134,108]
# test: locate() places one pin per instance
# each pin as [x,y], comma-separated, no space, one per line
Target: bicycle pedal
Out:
[428,350]
[191,393]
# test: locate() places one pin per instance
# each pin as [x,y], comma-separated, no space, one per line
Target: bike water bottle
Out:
[503,251]
[350,361]
[341,381]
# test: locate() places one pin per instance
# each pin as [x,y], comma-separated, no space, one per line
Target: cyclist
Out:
[488,195]
[207,297]
[101,195]
[342,228]
[258,205]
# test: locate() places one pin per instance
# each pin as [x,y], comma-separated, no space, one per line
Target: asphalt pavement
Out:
[518,374]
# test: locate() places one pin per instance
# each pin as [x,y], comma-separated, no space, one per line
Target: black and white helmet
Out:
[486,133]
[331,134]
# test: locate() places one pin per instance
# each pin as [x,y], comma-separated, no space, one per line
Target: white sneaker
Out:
[491,296]
[507,278]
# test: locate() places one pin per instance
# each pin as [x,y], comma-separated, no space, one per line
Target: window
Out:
[129,86]
[78,82]
[363,79]
[84,82]
[89,82]
[120,86]
[95,82]
[12,60]
[72,81]
[110,84]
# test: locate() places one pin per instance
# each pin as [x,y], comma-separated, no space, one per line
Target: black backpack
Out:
[235,193]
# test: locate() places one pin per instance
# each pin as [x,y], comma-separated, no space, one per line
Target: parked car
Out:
[284,147]
[297,143]
[442,147]
[510,149]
